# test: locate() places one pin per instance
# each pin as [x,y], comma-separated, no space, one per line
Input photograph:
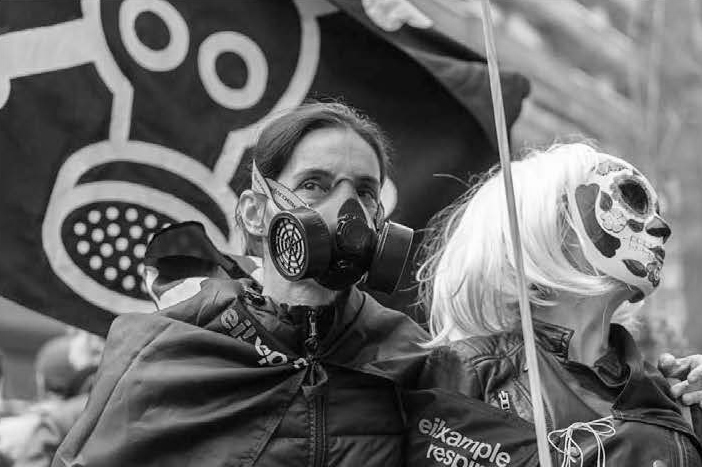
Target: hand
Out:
[390,15]
[689,371]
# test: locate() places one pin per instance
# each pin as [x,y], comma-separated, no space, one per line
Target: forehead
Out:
[339,151]
[613,169]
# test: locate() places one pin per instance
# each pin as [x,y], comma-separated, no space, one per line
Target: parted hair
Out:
[280,136]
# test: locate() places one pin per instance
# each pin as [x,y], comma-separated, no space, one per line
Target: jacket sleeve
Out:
[451,368]
[129,335]
[696,419]
[204,308]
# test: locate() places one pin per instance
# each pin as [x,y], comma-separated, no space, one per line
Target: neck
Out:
[589,318]
[304,292]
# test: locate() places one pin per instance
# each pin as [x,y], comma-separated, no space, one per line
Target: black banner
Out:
[120,117]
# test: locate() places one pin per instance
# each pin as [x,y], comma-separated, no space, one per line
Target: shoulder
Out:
[370,314]
[214,296]
[466,365]
[378,340]
[476,349]
[132,331]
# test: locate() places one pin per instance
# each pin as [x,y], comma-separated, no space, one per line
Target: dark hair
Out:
[60,375]
[280,137]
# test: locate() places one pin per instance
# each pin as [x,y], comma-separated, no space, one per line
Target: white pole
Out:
[524,308]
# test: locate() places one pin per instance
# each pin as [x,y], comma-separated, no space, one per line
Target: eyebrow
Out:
[307,173]
[321,173]
[374,182]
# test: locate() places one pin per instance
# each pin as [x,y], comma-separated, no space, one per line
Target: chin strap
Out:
[524,308]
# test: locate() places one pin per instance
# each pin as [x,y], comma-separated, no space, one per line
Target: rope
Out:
[524,308]
[601,428]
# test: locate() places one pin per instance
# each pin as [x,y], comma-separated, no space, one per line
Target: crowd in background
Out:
[65,367]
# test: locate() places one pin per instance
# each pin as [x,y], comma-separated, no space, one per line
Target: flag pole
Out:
[524,308]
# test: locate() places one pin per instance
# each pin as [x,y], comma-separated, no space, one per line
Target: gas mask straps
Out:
[338,253]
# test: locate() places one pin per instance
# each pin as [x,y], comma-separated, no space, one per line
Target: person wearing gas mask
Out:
[299,369]
[593,238]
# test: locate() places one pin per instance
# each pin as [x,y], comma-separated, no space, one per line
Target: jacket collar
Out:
[611,368]
[332,318]
[553,338]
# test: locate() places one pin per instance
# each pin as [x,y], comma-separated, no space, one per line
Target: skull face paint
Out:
[616,216]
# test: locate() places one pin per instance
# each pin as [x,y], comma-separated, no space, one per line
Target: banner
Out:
[120,117]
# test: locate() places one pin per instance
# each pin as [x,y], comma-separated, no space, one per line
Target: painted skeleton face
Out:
[616,216]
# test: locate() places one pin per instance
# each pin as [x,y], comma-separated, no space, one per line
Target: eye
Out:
[311,190]
[635,196]
[369,198]
[312,186]
[367,194]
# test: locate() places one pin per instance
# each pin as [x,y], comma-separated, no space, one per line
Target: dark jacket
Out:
[648,423]
[228,378]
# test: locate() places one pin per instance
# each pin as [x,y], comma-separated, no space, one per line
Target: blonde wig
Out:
[468,278]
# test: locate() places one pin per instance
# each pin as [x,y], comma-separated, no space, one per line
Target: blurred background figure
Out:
[65,368]
[65,365]
[3,407]
[4,460]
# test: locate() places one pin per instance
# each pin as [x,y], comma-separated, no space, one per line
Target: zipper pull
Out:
[503,397]
[316,377]
[312,340]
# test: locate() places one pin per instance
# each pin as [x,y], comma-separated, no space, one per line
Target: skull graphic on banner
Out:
[119,117]
[111,196]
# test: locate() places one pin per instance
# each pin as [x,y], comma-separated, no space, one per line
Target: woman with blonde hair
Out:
[593,240]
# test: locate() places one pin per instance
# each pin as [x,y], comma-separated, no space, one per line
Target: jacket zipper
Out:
[680,450]
[315,400]
[503,398]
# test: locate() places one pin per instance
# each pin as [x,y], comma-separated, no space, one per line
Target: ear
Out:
[252,210]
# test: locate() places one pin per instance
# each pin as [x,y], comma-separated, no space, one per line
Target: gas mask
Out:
[303,245]
[616,216]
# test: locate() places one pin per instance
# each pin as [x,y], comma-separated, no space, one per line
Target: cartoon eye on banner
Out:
[121,117]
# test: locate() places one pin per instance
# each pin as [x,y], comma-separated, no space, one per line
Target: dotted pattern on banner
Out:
[107,241]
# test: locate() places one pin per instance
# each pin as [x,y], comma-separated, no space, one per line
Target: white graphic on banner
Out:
[83,41]
[155,60]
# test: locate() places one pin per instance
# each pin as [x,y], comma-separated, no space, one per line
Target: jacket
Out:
[621,389]
[228,378]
